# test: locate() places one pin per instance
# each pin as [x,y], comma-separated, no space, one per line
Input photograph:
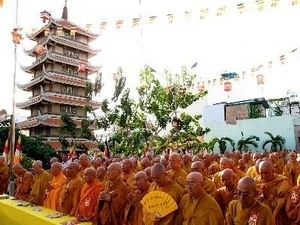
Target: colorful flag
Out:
[119,24]
[6,151]
[152,19]
[241,7]
[103,25]
[18,152]
[274,3]
[71,153]
[135,22]
[1,3]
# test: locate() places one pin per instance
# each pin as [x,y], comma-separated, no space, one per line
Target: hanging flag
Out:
[252,71]
[39,49]
[6,152]
[103,25]
[45,15]
[260,79]
[88,28]
[221,10]
[46,31]
[119,24]
[73,31]
[274,3]
[203,13]
[295,2]
[282,59]
[170,18]
[16,35]
[106,150]
[270,64]
[214,82]
[135,22]
[260,4]
[59,31]
[187,15]
[227,86]
[294,50]
[241,7]
[81,67]
[152,19]
[71,152]
[18,152]
[243,74]
[237,77]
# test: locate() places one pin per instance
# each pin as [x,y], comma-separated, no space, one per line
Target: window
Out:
[68,109]
[70,90]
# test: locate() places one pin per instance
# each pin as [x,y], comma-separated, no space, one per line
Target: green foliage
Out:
[119,85]
[277,142]
[68,125]
[27,162]
[89,91]
[98,84]
[85,131]
[243,143]
[222,143]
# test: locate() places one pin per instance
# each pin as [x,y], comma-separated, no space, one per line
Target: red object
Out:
[260,79]
[39,49]
[81,67]
[227,86]
[16,35]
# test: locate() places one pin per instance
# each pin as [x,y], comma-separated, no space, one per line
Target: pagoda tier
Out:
[65,24]
[53,97]
[47,120]
[65,41]
[54,142]
[54,77]
[57,57]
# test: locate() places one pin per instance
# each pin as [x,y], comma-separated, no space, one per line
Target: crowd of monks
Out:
[232,189]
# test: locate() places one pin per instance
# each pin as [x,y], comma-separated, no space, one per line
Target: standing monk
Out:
[101,175]
[176,173]
[293,206]
[247,210]
[54,188]
[198,207]
[275,190]
[127,175]
[40,182]
[113,200]
[4,176]
[89,196]
[70,194]
[134,209]
[84,161]
[23,182]
[291,169]
[161,182]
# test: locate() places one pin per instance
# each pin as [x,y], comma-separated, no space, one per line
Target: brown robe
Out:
[40,182]
[24,183]
[4,178]
[293,205]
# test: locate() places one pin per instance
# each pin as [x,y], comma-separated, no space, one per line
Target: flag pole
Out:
[11,187]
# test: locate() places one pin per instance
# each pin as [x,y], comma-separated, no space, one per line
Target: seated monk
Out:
[247,210]
[70,194]
[133,210]
[113,200]
[51,198]
[89,196]
[40,182]
[197,207]
[24,182]
[4,175]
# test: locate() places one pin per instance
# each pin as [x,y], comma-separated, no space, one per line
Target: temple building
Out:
[59,79]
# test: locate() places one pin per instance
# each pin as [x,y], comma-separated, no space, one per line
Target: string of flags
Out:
[256,72]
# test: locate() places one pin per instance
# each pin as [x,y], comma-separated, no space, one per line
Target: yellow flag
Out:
[1,3]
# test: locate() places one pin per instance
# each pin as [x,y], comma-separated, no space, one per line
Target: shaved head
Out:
[228,172]
[267,171]
[159,168]
[37,163]
[196,176]
[248,182]
[141,175]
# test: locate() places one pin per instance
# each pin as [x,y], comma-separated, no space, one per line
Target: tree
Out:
[222,143]
[277,142]
[243,143]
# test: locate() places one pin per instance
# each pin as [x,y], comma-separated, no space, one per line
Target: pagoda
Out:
[59,78]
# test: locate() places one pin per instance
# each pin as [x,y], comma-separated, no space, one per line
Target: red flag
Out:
[18,152]
[6,151]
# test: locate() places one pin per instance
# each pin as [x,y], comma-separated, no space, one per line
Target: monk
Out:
[198,207]
[187,163]
[161,182]
[291,169]
[247,210]
[54,188]
[176,173]
[148,172]
[70,194]
[227,193]
[89,196]
[4,176]
[224,164]
[133,211]
[101,175]
[145,162]
[24,182]
[275,190]
[84,161]
[40,182]
[208,185]
[293,206]
[252,170]
[113,200]
[127,175]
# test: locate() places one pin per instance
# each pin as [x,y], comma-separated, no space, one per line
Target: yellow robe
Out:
[236,215]
[176,192]
[290,170]
[277,191]
[40,182]
[251,172]
[179,176]
[205,210]
[24,183]
[4,177]
[209,187]
[293,205]
[224,197]
[128,179]
[53,191]
[70,195]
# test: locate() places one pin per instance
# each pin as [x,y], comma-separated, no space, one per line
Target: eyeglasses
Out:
[192,184]
[243,194]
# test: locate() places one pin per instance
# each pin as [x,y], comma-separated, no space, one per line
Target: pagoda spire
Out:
[65,11]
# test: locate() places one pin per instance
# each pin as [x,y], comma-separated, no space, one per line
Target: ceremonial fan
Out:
[159,203]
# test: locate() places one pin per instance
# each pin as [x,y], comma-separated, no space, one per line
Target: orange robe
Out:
[209,187]
[24,183]
[204,210]
[176,192]
[179,176]
[134,210]
[4,178]
[187,167]
[40,182]
[291,171]
[70,195]
[236,215]
[88,200]
[53,191]
[275,194]
[224,197]
[112,212]
[293,205]
[128,179]
[251,172]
